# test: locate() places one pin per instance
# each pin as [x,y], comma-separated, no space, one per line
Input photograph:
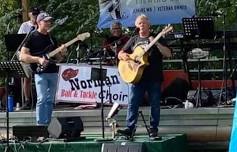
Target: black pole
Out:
[144,121]
[224,58]
[102,98]
[199,85]
[7,149]
[7,115]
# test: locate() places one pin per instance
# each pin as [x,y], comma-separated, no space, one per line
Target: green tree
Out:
[226,7]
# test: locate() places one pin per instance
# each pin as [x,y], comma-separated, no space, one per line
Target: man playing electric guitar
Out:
[32,52]
[151,77]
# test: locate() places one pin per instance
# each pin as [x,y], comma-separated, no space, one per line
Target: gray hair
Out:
[142,16]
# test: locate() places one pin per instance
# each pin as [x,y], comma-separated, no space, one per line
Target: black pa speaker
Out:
[66,127]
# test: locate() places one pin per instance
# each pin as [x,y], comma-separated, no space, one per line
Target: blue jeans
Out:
[46,84]
[137,95]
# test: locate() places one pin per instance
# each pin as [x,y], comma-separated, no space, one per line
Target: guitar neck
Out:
[153,42]
[54,52]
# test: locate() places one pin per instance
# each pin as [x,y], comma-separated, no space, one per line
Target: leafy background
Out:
[83,16]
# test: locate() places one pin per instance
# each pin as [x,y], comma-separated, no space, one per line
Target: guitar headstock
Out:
[167,29]
[61,21]
[83,36]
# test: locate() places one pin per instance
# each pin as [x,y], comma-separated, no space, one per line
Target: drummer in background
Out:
[114,43]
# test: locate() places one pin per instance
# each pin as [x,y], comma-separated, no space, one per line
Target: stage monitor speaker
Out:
[24,132]
[123,147]
[66,127]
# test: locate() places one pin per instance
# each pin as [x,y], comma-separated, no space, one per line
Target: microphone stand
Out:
[102,97]
[101,79]
[224,59]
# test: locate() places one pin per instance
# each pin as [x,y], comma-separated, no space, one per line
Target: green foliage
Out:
[8,24]
[228,7]
[83,16]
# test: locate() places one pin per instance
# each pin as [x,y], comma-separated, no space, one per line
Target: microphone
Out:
[136,30]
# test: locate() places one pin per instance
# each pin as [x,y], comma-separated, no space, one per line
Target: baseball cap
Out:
[34,10]
[44,17]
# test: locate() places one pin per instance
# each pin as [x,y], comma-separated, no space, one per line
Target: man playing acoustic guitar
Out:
[151,74]
[37,45]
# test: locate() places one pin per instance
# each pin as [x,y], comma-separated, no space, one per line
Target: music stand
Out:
[198,28]
[10,69]
[13,41]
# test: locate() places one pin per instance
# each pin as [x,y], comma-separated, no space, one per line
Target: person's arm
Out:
[62,54]
[26,57]
[164,50]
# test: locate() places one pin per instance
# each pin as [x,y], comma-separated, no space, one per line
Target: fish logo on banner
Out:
[69,74]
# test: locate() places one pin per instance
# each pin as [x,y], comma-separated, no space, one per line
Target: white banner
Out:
[81,84]
[158,11]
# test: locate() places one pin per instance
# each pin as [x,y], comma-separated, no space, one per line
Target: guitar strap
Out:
[51,39]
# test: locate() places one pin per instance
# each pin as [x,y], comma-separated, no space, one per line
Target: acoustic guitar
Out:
[80,37]
[131,70]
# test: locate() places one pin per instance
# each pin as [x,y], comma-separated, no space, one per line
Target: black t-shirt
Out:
[153,72]
[39,45]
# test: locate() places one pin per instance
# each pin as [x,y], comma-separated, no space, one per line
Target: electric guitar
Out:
[131,70]
[80,37]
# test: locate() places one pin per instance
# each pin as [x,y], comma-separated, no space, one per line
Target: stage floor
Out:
[168,143]
[205,128]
